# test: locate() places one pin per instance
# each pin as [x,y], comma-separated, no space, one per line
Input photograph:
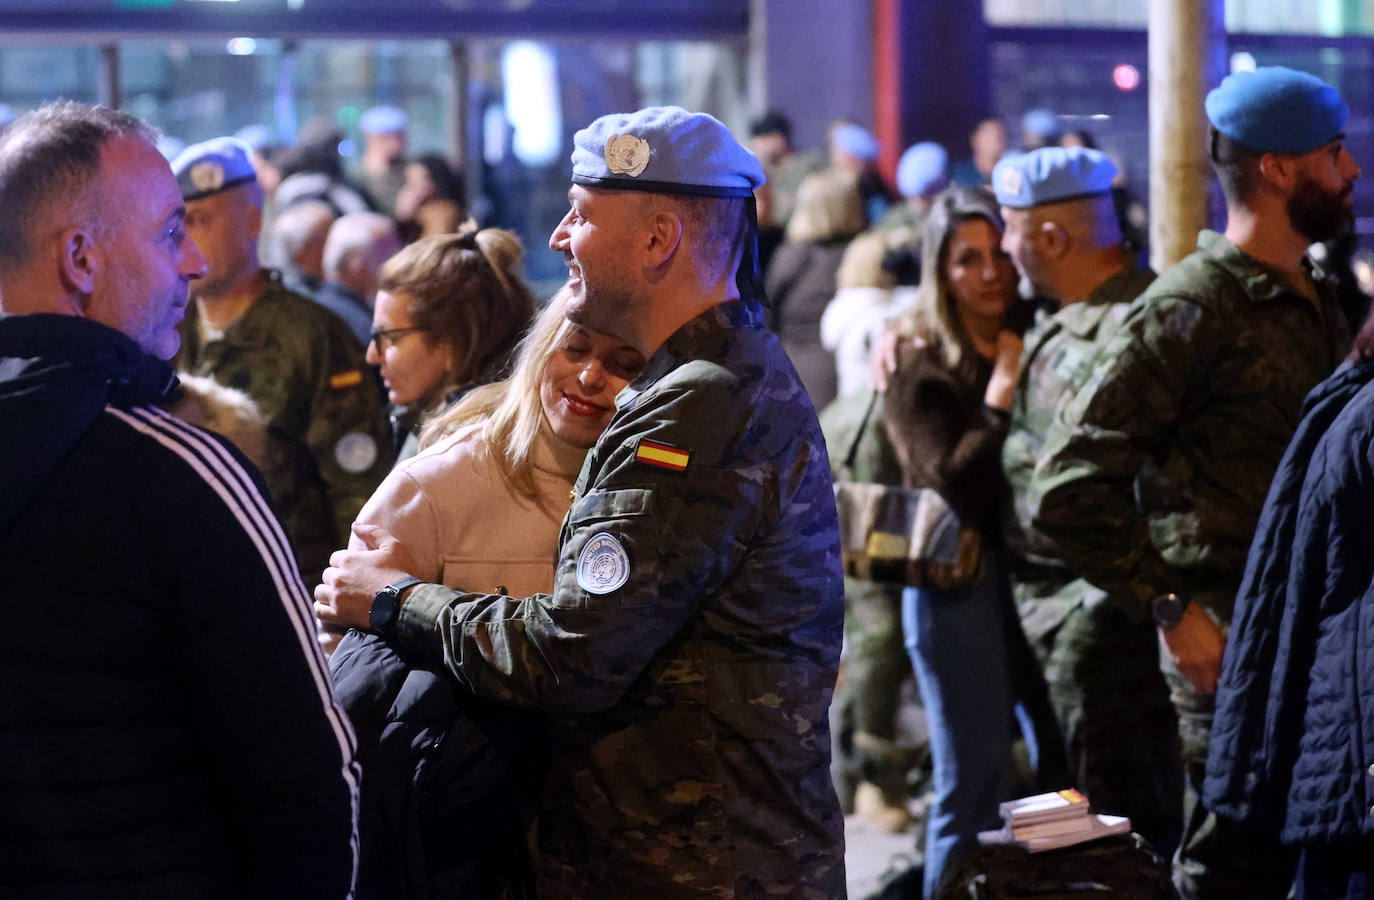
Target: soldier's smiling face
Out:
[594,237]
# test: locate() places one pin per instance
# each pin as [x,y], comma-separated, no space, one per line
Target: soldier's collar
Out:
[1262,282]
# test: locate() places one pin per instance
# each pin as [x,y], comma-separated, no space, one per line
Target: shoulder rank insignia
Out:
[346,379]
[664,456]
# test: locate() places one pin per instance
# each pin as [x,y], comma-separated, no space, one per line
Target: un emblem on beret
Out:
[603,565]
[627,155]
[1011,181]
[207,176]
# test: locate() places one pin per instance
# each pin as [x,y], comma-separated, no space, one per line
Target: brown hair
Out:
[465,290]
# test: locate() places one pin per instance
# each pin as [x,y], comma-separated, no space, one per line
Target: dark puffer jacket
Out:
[447,780]
[1292,749]
[167,727]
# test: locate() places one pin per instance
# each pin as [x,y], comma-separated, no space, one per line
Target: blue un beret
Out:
[857,141]
[664,150]
[213,166]
[1041,123]
[382,120]
[1051,175]
[1276,110]
[922,170]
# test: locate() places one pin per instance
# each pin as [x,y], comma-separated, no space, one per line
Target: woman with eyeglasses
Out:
[448,777]
[449,310]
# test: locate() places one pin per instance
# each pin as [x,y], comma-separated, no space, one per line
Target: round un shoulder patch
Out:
[355,452]
[603,565]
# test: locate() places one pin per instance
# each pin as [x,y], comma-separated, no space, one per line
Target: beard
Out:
[1318,214]
[608,306]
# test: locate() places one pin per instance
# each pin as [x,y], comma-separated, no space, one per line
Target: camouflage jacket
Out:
[329,444]
[691,644]
[1153,477]
[1055,364]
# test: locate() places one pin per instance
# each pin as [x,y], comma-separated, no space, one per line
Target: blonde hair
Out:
[862,263]
[932,314]
[828,205]
[511,409]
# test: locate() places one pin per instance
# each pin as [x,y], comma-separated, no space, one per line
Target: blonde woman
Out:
[480,509]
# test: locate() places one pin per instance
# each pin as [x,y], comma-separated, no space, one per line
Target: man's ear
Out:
[1279,169]
[1054,239]
[662,235]
[79,262]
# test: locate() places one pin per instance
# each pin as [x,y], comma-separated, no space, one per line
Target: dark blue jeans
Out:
[958,646]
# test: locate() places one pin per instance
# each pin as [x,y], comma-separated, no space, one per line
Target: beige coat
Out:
[464,525]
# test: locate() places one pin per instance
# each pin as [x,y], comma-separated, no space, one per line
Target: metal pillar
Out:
[107,80]
[1187,41]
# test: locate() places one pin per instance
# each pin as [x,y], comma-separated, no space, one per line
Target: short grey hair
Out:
[48,160]
[353,233]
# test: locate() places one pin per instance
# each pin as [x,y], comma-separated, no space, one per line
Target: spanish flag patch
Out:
[346,379]
[664,456]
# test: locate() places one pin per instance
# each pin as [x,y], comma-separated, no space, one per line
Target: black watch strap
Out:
[1168,610]
[386,606]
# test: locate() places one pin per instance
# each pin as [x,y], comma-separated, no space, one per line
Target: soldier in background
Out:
[689,649]
[329,445]
[1101,663]
[382,170]
[357,247]
[1152,479]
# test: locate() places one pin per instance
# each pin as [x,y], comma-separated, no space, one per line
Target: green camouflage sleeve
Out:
[1083,491]
[347,433]
[641,551]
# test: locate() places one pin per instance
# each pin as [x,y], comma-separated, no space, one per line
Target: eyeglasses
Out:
[387,337]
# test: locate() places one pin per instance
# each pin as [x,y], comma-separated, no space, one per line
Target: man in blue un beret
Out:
[1153,477]
[690,645]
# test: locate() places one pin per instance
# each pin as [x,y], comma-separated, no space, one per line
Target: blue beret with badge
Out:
[1051,175]
[1273,109]
[213,166]
[923,170]
[664,150]
[382,120]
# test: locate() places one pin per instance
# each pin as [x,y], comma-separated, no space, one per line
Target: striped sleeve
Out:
[257,659]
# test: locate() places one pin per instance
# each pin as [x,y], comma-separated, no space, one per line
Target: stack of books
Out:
[1057,819]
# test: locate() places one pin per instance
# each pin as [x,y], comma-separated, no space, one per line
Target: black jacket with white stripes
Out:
[167,725]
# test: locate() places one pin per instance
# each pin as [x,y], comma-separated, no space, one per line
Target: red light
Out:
[1126,77]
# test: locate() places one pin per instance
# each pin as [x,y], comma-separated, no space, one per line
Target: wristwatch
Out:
[1168,610]
[386,606]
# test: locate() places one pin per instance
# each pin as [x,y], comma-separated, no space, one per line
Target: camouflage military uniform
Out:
[1101,667]
[329,446]
[864,714]
[689,650]
[1153,477]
